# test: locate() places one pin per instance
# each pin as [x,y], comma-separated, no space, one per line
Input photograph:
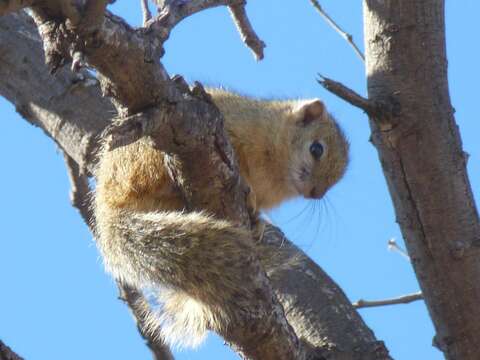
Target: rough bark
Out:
[422,158]
[75,111]
[190,130]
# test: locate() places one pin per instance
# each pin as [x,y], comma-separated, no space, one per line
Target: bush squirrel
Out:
[284,149]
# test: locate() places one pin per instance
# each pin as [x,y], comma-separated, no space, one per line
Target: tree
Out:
[387,108]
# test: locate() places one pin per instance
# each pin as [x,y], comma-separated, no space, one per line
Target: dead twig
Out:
[347,94]
[348,37]
[247,33]
[394,301]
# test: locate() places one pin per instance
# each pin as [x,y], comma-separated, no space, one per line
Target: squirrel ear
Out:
[310,111]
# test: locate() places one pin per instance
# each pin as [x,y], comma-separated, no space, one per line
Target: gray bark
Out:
[73,113]
[422,158]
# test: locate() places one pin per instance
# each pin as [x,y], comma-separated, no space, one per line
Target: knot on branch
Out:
[383,111]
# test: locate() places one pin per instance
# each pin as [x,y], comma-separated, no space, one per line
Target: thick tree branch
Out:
[315,306]
[198,128]
[125,59]
[421,155]
[69,113]
[405,299]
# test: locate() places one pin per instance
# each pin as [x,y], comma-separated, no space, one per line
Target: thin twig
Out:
[141,309]
[394,301]
[79,190]
[80,196]
[348,37]
[248,35]
[347,94]
[393,246]
[147,15]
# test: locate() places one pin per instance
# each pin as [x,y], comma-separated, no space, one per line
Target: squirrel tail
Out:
[197,266]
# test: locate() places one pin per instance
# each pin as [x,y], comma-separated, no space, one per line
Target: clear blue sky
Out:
[59,304]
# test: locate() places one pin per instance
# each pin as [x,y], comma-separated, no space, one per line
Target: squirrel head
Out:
[319,150]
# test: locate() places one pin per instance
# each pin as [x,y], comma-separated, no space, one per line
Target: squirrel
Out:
[284,149]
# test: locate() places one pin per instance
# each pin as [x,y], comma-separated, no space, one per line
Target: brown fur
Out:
[148,242]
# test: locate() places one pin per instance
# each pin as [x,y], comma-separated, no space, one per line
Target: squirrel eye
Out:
[316,149]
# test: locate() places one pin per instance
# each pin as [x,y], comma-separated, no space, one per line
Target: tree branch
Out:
[348,95]
[198,128]
[147,15]
[348,37]
[80,196]
[393,301]
[124,58]
[140,309]
[175,11]
[72,112]
[421,154]
[248,35]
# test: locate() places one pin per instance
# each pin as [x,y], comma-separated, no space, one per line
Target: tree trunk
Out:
[421,153]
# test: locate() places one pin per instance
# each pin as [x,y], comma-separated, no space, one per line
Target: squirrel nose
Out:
[317,193]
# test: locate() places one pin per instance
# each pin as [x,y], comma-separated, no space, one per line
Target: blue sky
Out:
[59,304]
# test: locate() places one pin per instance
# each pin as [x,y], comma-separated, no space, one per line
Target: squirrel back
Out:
[284,149]
[273,144]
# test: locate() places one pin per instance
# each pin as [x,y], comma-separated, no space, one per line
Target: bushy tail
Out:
[201,264]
